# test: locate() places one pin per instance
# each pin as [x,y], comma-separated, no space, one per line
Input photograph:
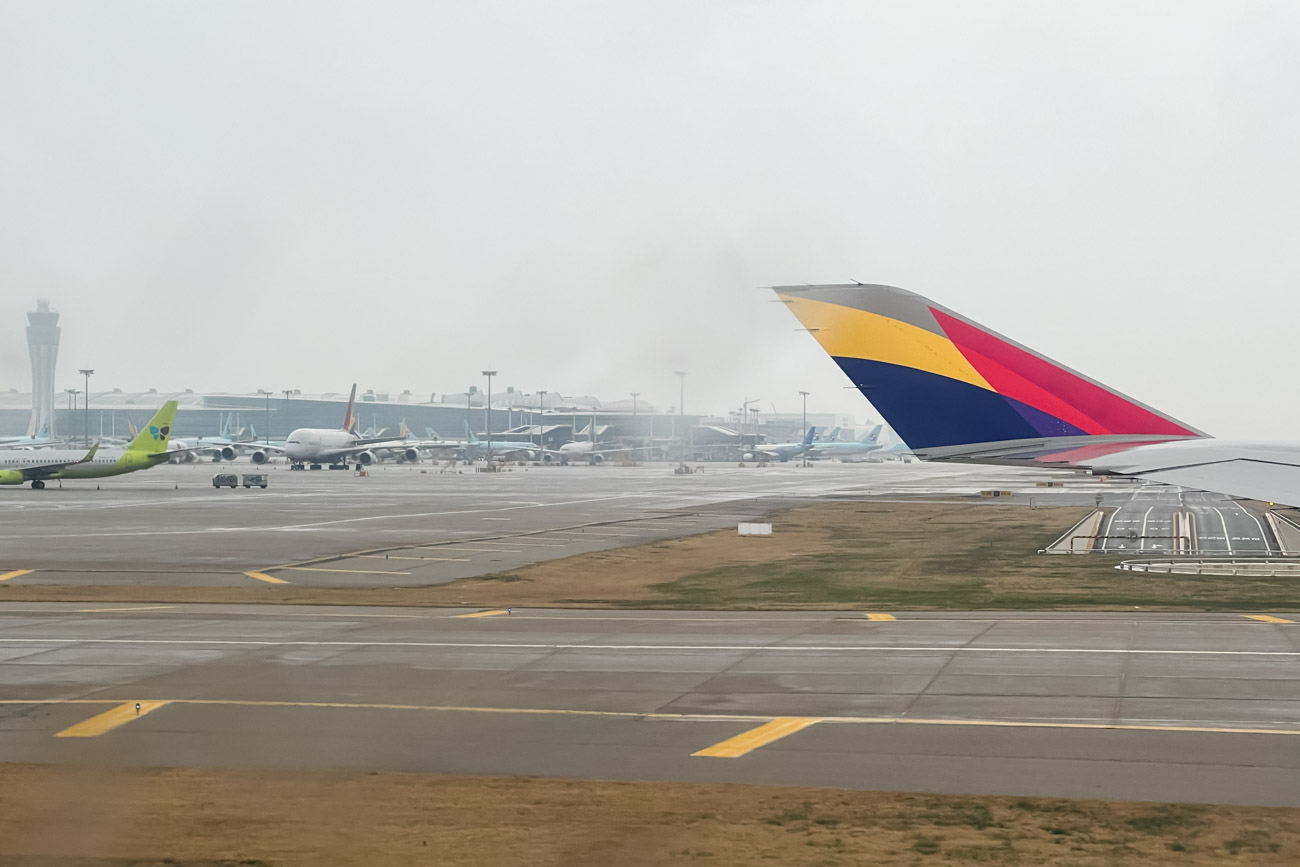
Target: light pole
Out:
[268,394]
[72,404]
[541,416]
[681,400]
[488,413]
[86,372]
[744,420]
[635,395]
[804,429]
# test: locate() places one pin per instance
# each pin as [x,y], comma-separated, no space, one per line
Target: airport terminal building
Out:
[208,414]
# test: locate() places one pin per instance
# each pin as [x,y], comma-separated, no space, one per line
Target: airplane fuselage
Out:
[319,446]
[103,465]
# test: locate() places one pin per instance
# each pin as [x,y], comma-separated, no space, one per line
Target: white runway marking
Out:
[643,648]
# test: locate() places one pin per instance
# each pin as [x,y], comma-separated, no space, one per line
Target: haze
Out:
[588,196]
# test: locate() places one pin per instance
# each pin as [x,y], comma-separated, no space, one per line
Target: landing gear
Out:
[37,485]
[297,466]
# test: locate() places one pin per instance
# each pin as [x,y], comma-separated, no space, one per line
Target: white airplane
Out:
[587,451]
[954,390]
[315,447]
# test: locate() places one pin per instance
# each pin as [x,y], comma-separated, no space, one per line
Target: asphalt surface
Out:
[417,525]
[1146,523]
[1161,707]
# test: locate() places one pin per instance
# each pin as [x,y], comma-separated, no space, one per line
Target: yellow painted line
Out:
[689,717]
[747,742]
[346,571]
[425,559]
[16,573]
[109,720]
[269,579]
[493,613]
[1268,618]
[140,608]
[874,616]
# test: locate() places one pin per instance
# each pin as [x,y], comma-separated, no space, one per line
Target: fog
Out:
[589,196]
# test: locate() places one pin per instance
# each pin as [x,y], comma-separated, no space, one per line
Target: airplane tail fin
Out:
[469,434]
[349,420]
[152,439]
[403,432]
[131,428]
[834,435]
[944,382]
[808,437]
[873,435]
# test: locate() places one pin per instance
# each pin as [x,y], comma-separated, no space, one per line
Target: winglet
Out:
[944,382]
[90,455]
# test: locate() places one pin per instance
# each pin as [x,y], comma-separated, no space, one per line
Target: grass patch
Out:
[843,555]
[69,816]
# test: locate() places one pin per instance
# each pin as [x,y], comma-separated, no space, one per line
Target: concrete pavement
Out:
[1164,707]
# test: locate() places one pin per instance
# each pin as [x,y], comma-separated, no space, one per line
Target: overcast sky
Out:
[588,196]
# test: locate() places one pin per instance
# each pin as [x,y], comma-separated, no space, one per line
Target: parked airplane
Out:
[835,449]
[315,447]
[957,391]
[784,451]
[501,448]
[148,449]
[41,440]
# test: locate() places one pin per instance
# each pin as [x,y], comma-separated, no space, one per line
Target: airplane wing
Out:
[266,447]
[367,445]
[45,471]
[954,390]
[397,441]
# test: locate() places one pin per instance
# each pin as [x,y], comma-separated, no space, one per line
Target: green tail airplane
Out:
[148,449]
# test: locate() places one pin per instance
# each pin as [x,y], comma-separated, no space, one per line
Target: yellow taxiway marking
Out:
[746,742]
[138,608]
[15,574]
[346,571]
[426,559]
[269,579]
[109,720]
[1268,618]
[493,613]
[874,616]
[797,722]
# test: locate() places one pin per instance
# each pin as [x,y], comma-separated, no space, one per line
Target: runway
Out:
[1158,707]
[419,526]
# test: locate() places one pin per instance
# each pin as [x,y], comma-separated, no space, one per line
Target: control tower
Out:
[43,346]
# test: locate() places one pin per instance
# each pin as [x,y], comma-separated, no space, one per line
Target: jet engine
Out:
[177,455]
[259,457]
[411,456]
[11,477]
[598,459]
[366,458]
[223,453]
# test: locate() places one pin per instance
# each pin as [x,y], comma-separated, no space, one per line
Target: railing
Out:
[1270,568]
